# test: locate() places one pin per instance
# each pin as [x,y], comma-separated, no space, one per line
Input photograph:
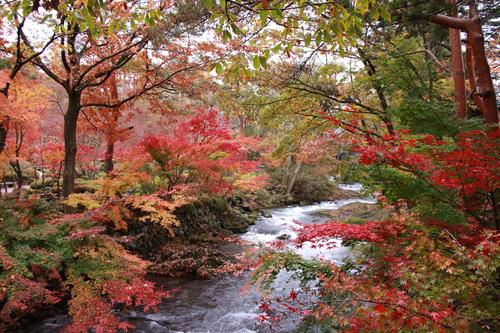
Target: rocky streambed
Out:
[218,305]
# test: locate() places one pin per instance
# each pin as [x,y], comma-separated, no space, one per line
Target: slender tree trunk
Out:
[110,136]
[371,70]
[471,74]
[242,124]
[4,129]
[108,157]
[70,144]
[289,188]
[284,178]
[16,166]
[457,68]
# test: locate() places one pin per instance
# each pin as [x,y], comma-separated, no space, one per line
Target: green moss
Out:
[39,184]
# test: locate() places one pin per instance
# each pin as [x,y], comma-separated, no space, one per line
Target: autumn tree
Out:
[478,67]
[201,151]
[88,50]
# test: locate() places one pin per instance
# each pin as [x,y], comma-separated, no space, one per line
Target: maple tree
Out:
[22,108]
[202,151]
[108,121]
[134,73]
[87,59]
[410,275]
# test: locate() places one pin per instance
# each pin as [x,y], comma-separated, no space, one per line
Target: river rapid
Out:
[218,305]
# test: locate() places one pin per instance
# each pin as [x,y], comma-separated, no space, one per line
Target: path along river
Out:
[217,305]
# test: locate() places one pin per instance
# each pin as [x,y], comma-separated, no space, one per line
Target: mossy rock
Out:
[205,216]
[356,212]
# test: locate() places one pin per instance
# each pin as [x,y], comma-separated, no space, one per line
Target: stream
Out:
[218,305]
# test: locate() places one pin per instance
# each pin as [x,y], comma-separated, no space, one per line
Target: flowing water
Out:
[218,305]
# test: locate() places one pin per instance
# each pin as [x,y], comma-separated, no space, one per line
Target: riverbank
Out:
[216,305]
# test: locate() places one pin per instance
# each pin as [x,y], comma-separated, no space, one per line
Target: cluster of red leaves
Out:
[202,151]
[19,295]
[467,166]
[414,278]
[92,301]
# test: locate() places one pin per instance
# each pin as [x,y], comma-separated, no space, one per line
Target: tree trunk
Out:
[4,129]
[110,136]
[457,68]
[242,124]
[108,157]
[284,178]
[484,87]
[70,144]
[16,167]
[371,70]
[289,188]
[471,74]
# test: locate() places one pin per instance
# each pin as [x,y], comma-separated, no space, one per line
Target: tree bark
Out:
[284,178]
[16,167]
[457,68]
[70,144]
[471,75]
[108,158]
[484,87]
[289,188]
[110,136]
[4,129]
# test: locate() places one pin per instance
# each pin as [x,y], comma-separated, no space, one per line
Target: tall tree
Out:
[89,51]
[483,90]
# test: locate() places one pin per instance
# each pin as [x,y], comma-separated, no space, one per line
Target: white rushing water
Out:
[217,305]
[284,223]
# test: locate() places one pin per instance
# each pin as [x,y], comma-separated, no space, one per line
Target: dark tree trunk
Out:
[108,158]
[471,74]
[242,124]
[16,166]
[110,137]
[4,129]
[70,144]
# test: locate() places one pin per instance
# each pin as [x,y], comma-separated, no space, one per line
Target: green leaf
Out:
[384,13]
[226,35]
[307,40]
[319,38]
[263,61]
[218,68]
[256,62]
[263,17]
[341,51]
[235,28]
[374,13]
[208,4]
[234,73]
[327,37]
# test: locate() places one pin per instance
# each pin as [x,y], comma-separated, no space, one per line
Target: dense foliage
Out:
[125,112]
